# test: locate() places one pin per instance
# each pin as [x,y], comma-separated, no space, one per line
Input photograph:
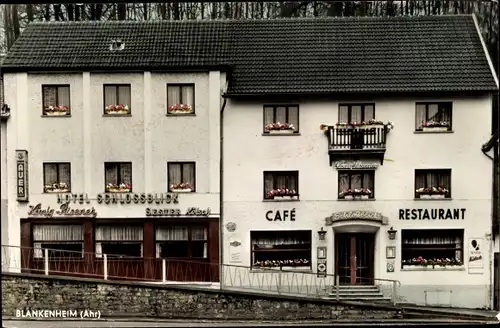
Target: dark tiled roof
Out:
[279,56]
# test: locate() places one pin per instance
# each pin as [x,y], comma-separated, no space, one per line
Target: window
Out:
[432,247]
[433,183]
[119,241]
[56,100]
[180,99]
[182,242]
[281,119]
[60,240]
[118,177]
[117,99]
[281,185]
[56,177]
[433,116]
[350,113]
[281,248]
[356,184]
[181,176]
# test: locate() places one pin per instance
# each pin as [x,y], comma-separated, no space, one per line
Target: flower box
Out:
[123,187]
[361,197]
[118,112]
[54,113]
[117,190]
[435,128]
[285,197]
[349,197]
[181,190]
[437,196]
[56,190]
[371,126]
[288,131]
[180,109]
[424,196]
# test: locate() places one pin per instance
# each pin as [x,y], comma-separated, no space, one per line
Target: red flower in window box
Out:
[358,193]
[181,187]
[57,110]
[180,108]
[433,192]
[280,127]
[122,187]
[117,109]
[282,193]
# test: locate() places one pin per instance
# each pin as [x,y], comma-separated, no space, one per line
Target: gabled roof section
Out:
[276,56]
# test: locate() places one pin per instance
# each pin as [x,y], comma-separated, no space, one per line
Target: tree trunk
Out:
[29,12]
[15,22]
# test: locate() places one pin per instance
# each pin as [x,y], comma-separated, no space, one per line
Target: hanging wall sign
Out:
[22,175]
[476,255]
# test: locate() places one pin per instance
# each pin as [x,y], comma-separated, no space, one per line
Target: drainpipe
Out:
[221,193]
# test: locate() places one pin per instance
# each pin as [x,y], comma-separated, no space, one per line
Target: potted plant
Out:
[281,128]
[180,109]
[122,187]
[56,187]
[57,110]
[442,262]
[117,109]
[438,192]
[282,193]
[181,187]
[361,193]
[372,123]
[435,126]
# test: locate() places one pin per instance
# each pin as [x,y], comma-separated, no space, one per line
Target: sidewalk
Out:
[449,312]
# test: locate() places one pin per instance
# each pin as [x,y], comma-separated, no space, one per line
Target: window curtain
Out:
[49,96]
[268,115]
[433,112]
[172,233]
[356,115]
[126,173]
[288,181]
[420,116]
[52,232]
[199,233]
[64,173]
[344,114]
[369,112]
[174,173]
[173,95]
[432,179]
[278,239]
[281,115]
[343,182]
[124,95]
[50,173]
[110,95]
[188,174]
[111,173]
[63,96]
[268,182]
[187,95]
[293,116]
[119,233]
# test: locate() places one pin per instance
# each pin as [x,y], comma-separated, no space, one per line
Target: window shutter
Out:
[124,95]
[49,97]
[110,95]
[293,116]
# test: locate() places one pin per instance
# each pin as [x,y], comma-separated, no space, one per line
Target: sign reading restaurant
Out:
[432,214]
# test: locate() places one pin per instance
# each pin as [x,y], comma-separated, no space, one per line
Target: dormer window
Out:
[117,44]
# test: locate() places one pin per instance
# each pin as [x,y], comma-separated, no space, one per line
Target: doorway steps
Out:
[359,293]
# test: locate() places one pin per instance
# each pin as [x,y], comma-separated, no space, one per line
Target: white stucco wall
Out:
[247,154]
[148,138]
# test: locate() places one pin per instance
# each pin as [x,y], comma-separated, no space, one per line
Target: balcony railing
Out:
[356,138]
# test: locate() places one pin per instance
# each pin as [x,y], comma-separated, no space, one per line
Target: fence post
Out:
[105,266]
[164,271]
[337,287]
[394,292]
[46,255]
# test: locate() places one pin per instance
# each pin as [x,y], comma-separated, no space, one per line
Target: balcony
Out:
[357,142]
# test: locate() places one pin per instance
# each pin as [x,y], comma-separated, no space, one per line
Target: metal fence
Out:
[168,271]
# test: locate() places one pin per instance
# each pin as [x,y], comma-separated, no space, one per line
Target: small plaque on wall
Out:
[321,268]
[390,266]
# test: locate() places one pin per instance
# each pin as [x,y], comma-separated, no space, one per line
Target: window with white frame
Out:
[61,240]
[178,241]
[119,241]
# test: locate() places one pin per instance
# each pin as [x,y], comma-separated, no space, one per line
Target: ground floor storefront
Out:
[172,249]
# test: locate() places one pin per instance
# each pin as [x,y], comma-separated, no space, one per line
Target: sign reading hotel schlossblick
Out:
[121,198]
[432,214]
[22,175]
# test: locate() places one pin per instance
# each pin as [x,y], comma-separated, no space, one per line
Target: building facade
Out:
[122,164]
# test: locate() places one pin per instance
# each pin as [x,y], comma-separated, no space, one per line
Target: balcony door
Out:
[354,254]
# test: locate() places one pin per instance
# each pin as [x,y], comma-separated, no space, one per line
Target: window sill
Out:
[281,134]
[57,192]
[432,199]
[117,192]
[281,200]
[116,115]
[426,132]
[54,116]
[430,268]
[181,114]
[285,268]
[357,200]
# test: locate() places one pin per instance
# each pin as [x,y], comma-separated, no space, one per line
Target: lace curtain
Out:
[173,233]
[117,95]
[118,173]
[439,112]
[181,172]
[277,180]
[55,173]
[177,94]
[355,181]
[56,96]
[432,179]
[279,238]
[281,114]
[356,113]
[118,233]
[53,232]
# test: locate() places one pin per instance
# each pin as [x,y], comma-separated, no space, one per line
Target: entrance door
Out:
[354,258]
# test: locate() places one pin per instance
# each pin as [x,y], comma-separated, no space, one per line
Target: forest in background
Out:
[14,17]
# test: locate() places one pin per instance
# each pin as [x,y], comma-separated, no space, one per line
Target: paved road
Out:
[186,323]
